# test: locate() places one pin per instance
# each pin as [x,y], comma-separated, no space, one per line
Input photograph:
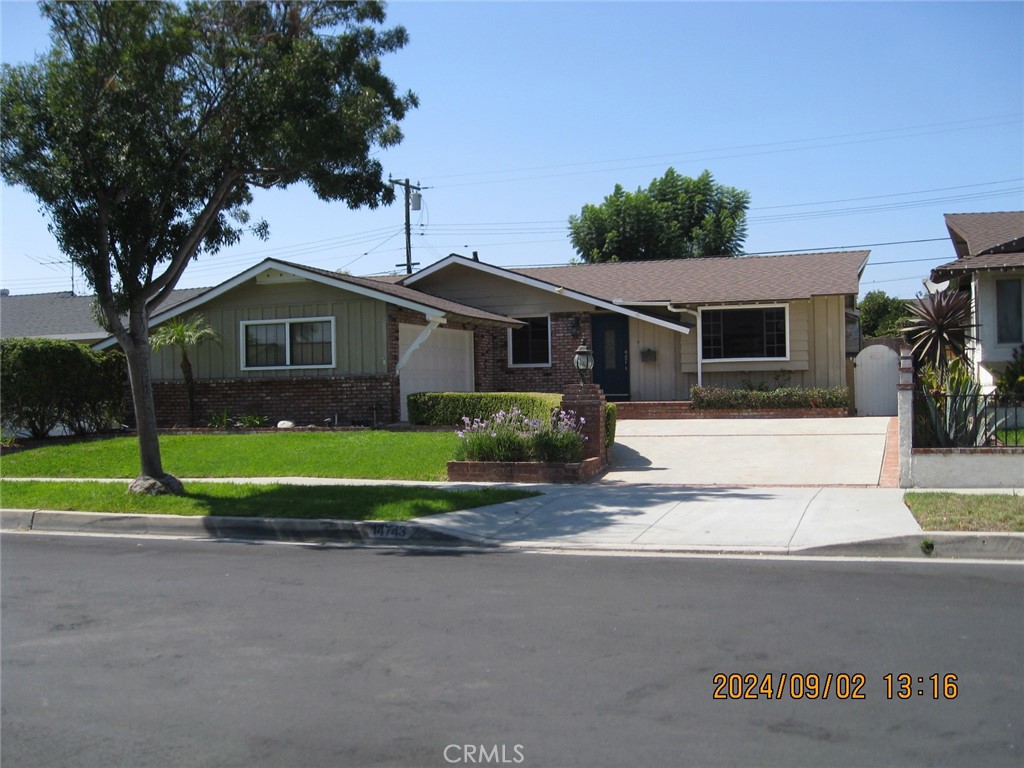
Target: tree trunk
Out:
[135,344]
[190,387]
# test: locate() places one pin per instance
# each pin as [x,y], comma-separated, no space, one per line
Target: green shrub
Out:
[513,436]
[449,408]
[1010,386]
[611,414]
[719,399]
[49,382]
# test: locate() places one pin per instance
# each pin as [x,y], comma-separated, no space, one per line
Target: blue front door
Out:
[611,355]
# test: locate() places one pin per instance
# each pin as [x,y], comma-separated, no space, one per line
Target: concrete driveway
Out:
[767,452]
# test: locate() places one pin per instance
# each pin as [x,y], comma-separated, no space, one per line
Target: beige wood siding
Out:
[360,331]
[817,353]
[654,380]
[501,295]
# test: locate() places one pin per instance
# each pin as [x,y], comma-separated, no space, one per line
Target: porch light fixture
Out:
[583,360]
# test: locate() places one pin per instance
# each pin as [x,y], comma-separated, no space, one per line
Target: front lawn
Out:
[967,512]
[338,502]
[370,454]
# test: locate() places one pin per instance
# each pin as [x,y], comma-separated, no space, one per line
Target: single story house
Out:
[315,346]
[990,265]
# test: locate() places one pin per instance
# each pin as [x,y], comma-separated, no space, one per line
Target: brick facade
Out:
[493,373]
[350,400]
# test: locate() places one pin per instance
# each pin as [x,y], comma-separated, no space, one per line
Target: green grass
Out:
[375,455]
[1011,437]
[967,512]
[350,502]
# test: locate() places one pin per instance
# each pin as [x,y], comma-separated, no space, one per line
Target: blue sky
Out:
[849,123]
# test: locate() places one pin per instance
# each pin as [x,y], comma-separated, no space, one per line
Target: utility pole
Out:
[408,224]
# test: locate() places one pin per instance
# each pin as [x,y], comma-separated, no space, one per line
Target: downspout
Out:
[700,345]
[432,323]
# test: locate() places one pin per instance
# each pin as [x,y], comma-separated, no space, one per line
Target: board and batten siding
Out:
[496,294]
[657,379]
[817,352]
[360,344]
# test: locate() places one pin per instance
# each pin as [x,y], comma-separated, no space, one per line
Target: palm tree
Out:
[182,333]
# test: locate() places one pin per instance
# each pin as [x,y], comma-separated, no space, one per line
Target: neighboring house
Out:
[62,315]
[659,328]
[990,265]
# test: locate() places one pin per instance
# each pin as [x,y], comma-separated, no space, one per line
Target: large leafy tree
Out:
[145,128]
[676,217]
[882,314]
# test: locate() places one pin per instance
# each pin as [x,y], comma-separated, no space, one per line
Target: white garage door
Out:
[442,363]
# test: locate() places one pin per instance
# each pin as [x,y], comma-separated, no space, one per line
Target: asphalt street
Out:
[148,652]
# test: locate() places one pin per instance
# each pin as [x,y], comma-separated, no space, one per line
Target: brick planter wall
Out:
[360,400]
[523,471]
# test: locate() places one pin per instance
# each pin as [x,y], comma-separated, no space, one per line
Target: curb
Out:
[945,545]
[272,529]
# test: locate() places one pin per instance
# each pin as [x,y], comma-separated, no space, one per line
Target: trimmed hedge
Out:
[719,399]
[48,382]
[611,414]
[447,408]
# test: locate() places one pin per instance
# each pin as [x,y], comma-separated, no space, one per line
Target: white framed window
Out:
[529,346]
[731,334]
[306,342]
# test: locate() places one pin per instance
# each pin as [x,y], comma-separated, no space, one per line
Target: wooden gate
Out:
[876,376]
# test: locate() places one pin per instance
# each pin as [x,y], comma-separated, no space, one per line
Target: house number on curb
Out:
[388,531]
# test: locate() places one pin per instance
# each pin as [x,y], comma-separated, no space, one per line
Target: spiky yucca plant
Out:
[940,328]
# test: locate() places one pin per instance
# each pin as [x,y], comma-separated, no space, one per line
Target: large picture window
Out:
[1009,313]
[530,345]
[300,343]
[744,334]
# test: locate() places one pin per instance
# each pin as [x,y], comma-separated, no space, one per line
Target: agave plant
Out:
[960,416]
[940,328]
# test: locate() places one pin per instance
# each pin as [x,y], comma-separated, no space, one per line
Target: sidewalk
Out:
[606,516]
[717,519]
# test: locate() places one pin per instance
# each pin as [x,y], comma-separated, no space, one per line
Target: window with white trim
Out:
[306,342]
[530,344]
[747,333]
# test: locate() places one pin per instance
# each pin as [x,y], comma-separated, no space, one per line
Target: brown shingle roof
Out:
[717,280]
[985,262]
[983,242]
[975,234]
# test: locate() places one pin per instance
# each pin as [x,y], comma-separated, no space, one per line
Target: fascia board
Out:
[542,285]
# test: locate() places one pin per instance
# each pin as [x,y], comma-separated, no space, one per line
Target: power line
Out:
[1016,115]
[710,157]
